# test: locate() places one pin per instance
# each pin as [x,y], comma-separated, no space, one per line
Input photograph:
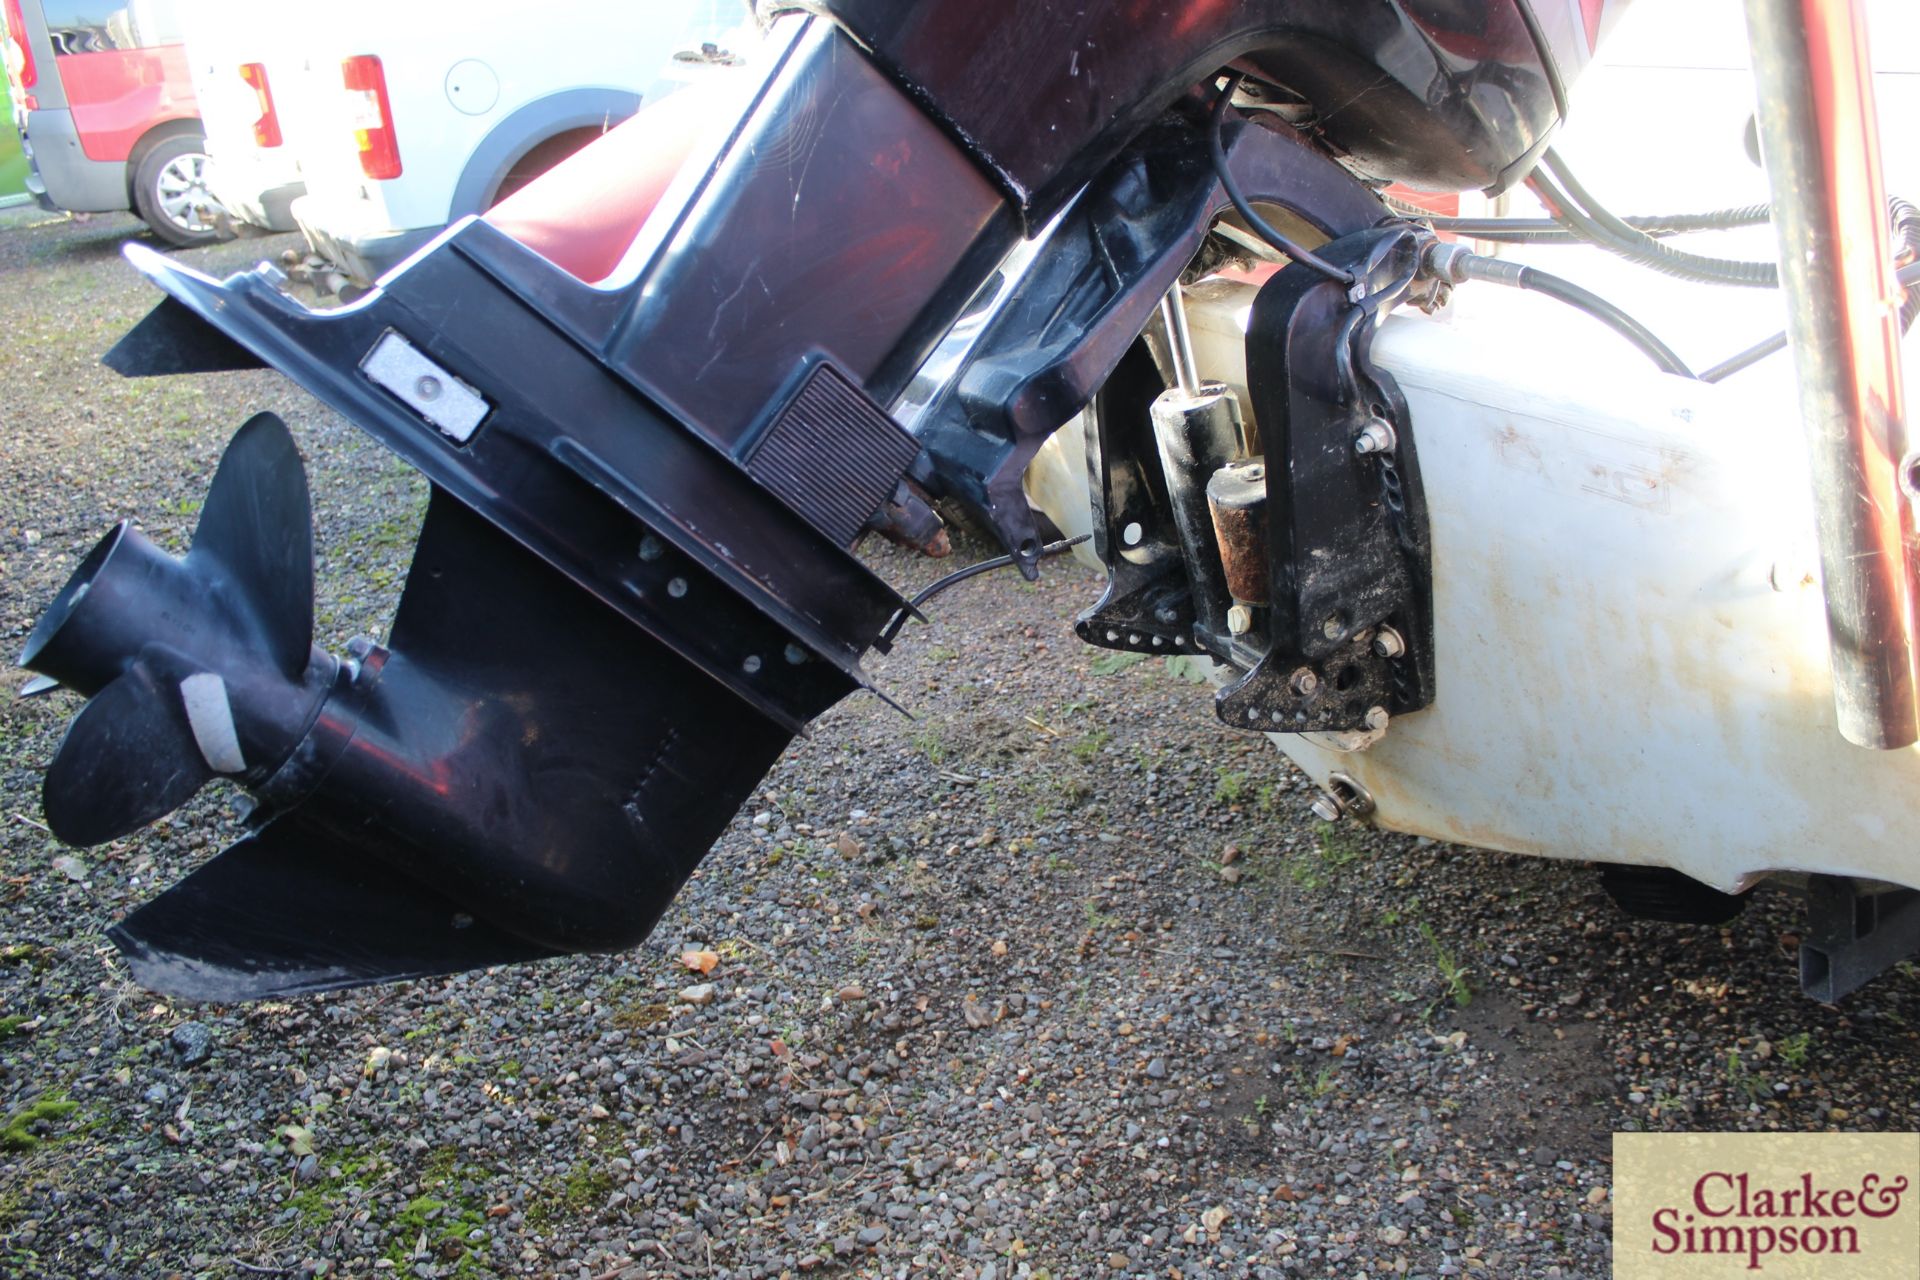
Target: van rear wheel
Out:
[170,192]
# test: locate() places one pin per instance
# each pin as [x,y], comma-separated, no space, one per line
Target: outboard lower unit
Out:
[635,582]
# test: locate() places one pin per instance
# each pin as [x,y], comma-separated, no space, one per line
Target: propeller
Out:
[196,667]
[518,773]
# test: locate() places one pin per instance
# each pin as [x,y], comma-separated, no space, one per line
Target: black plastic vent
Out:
[832,454]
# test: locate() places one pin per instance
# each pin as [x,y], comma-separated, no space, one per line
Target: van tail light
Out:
[266,127]
[366,83]
[26,75]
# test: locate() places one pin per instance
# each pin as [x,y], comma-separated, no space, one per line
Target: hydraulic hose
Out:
[1455,264]
[1548,231]
[1588,219]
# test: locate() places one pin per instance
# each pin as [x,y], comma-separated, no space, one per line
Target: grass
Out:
[1453,975]
[1793,1050]
[1086,748]
[1113,664]
[1744,1080]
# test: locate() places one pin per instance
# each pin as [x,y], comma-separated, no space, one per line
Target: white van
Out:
[249,74]
[374,132]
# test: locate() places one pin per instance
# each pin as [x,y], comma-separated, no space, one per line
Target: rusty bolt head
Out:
[1388,643]
[1303,681]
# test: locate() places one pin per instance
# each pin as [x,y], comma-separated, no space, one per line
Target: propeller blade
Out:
[257,524]
[128,758]
[37,686]
[295,908]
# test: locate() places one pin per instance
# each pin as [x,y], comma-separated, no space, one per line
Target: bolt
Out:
[1376,437]
[651,548]
[1303,681]
[427,387]
[677,587]
[1333,626]
[1352,798]
[359,647]
[1326,808]
[752,664]
[795,655]
[1239,619]
[1377,719]
[1388,643]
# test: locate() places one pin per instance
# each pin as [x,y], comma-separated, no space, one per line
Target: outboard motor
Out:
[889,266]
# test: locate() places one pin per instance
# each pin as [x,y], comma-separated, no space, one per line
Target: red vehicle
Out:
[106,113]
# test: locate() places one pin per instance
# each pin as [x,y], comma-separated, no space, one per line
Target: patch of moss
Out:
[17,1134]
[584,1189]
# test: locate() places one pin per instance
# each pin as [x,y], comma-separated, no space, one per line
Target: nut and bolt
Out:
[1350,795]
[1388,643]
[1377,719]
[1326,808]
[1376,437]
[1303,681]
[1239,620]
[1334,626]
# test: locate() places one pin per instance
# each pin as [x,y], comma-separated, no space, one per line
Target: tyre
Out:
[170,191]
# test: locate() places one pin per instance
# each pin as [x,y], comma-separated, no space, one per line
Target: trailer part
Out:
[1819,138]
[1854,935]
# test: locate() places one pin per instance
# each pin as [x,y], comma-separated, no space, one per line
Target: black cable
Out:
[1472,266]
[899,619]
[1909,276]
[1589,219]
[1746,359]
[1257,224]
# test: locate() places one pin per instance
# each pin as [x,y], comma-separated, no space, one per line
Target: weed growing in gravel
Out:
[1743,1080]
[1336,848]
[1230,787]
[1793,1049]
[1113,664]
[1089,746]
[1452,973]
[928,743]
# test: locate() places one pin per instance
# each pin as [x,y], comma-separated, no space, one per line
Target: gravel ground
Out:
[1058,979]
